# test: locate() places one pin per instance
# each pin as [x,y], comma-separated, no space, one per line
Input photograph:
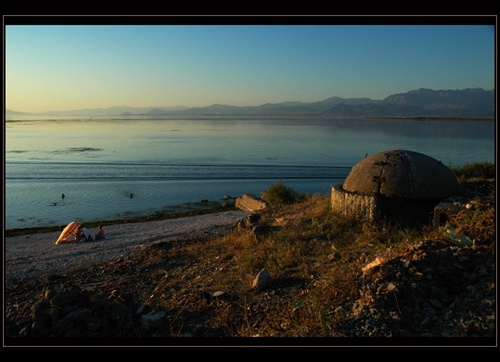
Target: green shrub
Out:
[475,170]
[278,194]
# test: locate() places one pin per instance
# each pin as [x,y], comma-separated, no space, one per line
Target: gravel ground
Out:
[433,293]
[37,254]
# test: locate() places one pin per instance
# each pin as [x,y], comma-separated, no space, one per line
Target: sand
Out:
[37,255]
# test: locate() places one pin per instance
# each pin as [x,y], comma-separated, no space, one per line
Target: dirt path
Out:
[36,254]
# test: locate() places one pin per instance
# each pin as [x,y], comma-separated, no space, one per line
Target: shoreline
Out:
[144,218]
[31,255]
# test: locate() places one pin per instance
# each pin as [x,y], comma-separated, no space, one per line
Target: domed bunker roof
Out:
[401,173]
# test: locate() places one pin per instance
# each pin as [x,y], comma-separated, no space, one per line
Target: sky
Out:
[68,67]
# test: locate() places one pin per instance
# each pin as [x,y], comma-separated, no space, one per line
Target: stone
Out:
[153,320]
[248,203]
[262,280]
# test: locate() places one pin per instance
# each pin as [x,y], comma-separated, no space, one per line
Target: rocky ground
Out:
[434,292]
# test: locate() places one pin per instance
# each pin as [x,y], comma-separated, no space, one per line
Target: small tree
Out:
[278,194]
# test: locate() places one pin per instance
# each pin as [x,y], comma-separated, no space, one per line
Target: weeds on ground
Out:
[474,170]
[315,258]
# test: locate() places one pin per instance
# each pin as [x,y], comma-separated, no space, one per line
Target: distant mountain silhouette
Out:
[423,102]
[470,102]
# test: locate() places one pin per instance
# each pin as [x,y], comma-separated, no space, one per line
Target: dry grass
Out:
[314,256]
[315,259]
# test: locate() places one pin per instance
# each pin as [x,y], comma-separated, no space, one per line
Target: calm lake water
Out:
[170,164]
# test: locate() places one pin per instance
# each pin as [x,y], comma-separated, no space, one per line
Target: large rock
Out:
[248,203]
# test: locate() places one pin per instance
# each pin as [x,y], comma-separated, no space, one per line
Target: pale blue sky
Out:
[66,67]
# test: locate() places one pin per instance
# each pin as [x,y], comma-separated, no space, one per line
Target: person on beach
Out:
[86,234]
[63,196]
[101,234]
[78,233]
[83,234]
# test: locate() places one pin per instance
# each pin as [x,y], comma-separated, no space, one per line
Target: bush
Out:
[483,170]
[278,194]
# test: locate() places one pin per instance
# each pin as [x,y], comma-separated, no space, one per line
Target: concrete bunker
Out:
[396,186]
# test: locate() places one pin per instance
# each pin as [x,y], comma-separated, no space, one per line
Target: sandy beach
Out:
[37,254]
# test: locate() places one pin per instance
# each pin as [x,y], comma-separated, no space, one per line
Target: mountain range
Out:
[464,103]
